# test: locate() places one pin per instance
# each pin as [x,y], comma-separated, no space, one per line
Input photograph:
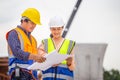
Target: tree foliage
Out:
[111,75]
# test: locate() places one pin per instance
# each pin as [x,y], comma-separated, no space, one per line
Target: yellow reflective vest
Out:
[65,48]
[27,45]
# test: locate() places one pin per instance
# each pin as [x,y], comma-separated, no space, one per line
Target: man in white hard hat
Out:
[22,47]
[63,70]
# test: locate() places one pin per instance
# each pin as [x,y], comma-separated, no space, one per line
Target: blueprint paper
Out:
[51,59]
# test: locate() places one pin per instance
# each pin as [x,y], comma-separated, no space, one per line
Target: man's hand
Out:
[41,55]
[37,57]
[40,58]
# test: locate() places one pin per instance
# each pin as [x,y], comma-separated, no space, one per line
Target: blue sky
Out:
[97,21]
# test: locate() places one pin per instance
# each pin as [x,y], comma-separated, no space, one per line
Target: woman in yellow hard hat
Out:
[63,70]
[22,47]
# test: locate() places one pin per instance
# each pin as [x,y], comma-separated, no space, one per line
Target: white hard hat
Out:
[56,21]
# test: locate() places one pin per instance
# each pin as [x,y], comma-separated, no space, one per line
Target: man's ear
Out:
[21,21]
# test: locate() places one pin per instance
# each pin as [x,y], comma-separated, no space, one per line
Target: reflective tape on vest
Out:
[49,46]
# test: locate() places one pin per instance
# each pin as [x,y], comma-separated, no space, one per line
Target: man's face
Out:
[29,26]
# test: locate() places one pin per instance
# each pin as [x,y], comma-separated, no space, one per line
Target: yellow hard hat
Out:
[33,14]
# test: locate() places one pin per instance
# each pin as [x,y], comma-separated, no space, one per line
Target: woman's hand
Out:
[69,61]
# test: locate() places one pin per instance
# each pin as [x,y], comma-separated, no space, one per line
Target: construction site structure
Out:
[89,61]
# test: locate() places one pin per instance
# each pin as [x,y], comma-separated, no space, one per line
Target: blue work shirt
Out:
[15,45]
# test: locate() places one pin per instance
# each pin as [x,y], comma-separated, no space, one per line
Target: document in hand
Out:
[51,59]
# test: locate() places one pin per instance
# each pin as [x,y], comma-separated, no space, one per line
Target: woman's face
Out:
[56,31]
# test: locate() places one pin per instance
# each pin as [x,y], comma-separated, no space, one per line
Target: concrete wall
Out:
[89,61]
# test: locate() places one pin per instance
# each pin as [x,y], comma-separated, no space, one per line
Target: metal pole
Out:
[75,9]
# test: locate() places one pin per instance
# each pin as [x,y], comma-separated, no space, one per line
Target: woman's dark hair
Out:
[51,35]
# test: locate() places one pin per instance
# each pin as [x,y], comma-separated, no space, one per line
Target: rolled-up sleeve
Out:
[15,46]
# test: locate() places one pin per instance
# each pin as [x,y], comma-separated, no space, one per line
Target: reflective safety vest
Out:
[61,72]
[27,45]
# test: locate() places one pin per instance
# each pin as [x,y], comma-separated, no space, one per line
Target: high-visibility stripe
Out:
[20,61]
[21,40]
[62,73]
[59,76]
[11,56]
[70,47]
[20,65]
[46,45]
